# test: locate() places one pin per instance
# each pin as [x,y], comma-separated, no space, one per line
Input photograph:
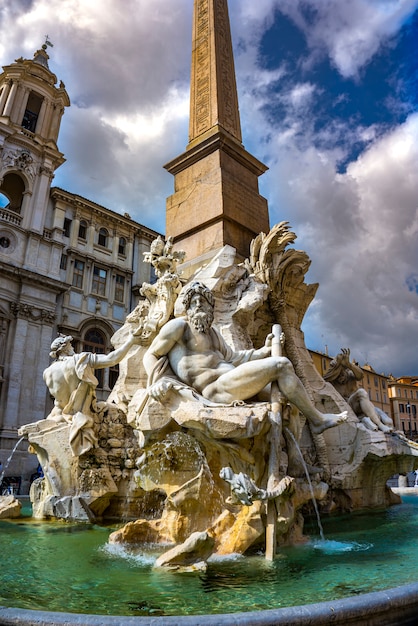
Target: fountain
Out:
[211,488]
[197,447]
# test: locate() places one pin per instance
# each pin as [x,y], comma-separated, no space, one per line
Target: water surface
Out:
[59,566]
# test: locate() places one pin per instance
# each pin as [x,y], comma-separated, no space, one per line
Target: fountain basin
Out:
[392,607]
[57,565]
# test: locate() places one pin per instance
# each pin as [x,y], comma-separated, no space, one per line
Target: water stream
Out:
[308,478]
[327,546]
[7,463]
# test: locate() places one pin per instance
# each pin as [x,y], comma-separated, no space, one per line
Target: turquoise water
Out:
[59,566]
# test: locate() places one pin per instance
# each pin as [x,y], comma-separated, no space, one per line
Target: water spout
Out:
[308,478]
[6,465]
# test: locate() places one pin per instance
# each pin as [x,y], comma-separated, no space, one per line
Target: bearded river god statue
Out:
[200,434]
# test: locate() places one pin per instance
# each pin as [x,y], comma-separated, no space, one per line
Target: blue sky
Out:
[328,100]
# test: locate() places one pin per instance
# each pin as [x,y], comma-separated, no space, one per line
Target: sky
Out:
[328,93]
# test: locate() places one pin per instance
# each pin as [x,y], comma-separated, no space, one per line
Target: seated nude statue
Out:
[199,357]
[346,377]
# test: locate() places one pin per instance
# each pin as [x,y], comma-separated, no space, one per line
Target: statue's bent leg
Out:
[244,381]
[248,379]
[291,387]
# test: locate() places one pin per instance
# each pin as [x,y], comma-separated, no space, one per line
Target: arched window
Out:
[94,341]
[33,107]
[103,237]
[82,230]
[122,246]
[12,190]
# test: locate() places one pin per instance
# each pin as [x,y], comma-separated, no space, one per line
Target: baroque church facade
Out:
[67,264]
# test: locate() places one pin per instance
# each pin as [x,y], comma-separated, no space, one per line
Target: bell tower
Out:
[31,107]
[216,199]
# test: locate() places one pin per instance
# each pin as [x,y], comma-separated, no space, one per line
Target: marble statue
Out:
[198,356]
[71,381]
[190,446]
[346,377]
[245,491]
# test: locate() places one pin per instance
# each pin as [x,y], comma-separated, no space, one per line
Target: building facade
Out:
[67,265]
[404,399]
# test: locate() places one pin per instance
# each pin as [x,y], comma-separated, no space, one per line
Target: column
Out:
[74,231]
[43,128]
[3,96]
[55,122]
[115,247]
[10,100]
[21,102]
[17,358]
[41,116]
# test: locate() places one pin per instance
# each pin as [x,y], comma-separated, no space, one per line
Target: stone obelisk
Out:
[216,200]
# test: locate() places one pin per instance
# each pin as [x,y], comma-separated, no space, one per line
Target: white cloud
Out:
[349,32]
[360,232]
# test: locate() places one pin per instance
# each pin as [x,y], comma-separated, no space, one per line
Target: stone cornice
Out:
[31,277]
[96,209]
[216,139]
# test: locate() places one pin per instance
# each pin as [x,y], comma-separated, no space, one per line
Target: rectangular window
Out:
[122,246]
[63,262]
[384,384]
[376,382]
[401,408]
[82,230]
[119,288]
[377,396]
[78,274]
[67,227]
[99,281]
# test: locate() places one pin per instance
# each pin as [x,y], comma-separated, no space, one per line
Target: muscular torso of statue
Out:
[61,379]
[193,358]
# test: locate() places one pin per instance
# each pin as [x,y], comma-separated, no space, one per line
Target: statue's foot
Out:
[367,422]
[384,428]
[329,420]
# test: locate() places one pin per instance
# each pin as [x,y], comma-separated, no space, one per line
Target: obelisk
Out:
[216,199]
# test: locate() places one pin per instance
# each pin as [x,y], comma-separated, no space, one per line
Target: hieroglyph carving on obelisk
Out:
[213,92]
[216,200]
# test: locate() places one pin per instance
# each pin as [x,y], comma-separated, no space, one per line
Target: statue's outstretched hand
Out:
[159,390]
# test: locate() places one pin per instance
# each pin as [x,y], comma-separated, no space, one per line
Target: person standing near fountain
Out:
[199,357]
[71,381]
